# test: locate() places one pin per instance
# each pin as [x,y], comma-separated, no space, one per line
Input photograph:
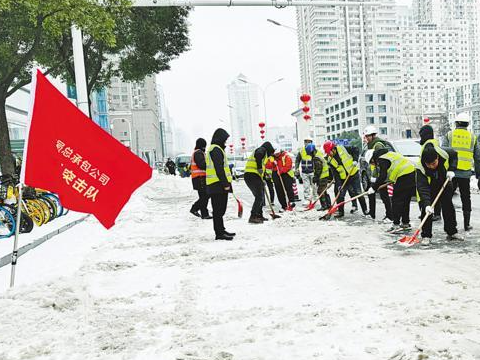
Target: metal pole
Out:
[80,77]
[17,230]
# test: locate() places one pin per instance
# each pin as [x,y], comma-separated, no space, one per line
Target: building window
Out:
[382,97]
[383,119]
[349,113]
[354,100]
[370,120]
[343,115]
[348,102]
[343,125]
[369,97]
[369,109]
[355,122]
[336,107]
[337,117]
[382,108]
[349,123]
[355,111]
[338,126]
[383,131]
[342,105]
[326,111]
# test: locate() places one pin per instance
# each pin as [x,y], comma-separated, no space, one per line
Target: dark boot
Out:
[224,237]
[466,221]
[229,233]
[195,212]
[255,220]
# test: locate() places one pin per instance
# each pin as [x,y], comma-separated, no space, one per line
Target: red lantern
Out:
[307,117]
[262,137]
[231,145]
[243,138]
[262,132]
[305,98]
[426,121]
[261,124]
[306,109]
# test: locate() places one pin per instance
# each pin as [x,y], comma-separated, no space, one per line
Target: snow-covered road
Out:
[157,286]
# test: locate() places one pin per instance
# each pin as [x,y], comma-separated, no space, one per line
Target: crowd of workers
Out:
[441,168]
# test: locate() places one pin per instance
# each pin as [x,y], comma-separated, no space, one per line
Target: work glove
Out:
[373,179]
[371,191]
[450,175]
[429,210]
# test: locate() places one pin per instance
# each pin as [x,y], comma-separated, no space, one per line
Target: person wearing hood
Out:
[465,143]
[436,166]
[170,165]
[219,182]
[426,135]
[198,168]
[254,175]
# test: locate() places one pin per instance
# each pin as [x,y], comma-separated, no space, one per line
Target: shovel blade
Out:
[240,209]
[310,206]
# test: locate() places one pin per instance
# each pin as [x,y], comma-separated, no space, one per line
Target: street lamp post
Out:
[309,66]
[263,90]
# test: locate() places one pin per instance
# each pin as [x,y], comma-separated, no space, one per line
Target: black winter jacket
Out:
[219,138]
[437,176]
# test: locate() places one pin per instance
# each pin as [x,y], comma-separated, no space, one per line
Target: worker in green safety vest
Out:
[321,178]
[219,182]
[466,145]
[396,169]
[254,178]
[436,165]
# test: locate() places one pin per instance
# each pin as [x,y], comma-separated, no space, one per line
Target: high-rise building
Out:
[343,49]
[244,113]
[464,98]
[461,14]
[134,118]
[167,142]
[433,58]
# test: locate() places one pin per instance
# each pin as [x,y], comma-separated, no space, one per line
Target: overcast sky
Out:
[224,43]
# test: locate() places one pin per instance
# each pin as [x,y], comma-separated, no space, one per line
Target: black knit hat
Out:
[429,155]
[426,133]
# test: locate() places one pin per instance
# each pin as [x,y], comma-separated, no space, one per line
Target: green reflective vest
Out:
[442,153]
[347,163]
[399,166]
[325,170]
[251,165]
[212,177]
[463,141]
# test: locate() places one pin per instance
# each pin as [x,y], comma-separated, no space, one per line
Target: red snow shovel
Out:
[240,206]
[311,205]
[412,240]
[325,216]
[334,208]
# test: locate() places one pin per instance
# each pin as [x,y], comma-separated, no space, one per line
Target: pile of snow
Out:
[158,286]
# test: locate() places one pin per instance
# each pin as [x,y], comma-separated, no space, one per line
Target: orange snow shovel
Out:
[311,205]
[412,240]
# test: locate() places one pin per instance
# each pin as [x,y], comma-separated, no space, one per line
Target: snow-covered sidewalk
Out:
[157,286]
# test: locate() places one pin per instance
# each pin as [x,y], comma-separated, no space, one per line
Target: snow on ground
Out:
[157,286]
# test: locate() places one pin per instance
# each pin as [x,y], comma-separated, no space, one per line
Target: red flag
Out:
[68,154]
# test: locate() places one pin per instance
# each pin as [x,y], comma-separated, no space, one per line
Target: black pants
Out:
[354,188]
[201,203]
[279,189]
[288,182]
[255,184]
[325,200]
[271,190]
[386,202]
[219,206]
[402,194]
[464,186]
[448,211]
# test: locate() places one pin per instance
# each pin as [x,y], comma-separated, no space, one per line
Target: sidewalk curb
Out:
[7,259]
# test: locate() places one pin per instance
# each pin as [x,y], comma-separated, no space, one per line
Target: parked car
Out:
[410,148]
[239,168]
[182,162]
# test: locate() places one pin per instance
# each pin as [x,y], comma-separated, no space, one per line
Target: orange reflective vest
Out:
[195,170]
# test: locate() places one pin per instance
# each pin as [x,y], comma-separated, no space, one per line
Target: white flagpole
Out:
[33,91]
